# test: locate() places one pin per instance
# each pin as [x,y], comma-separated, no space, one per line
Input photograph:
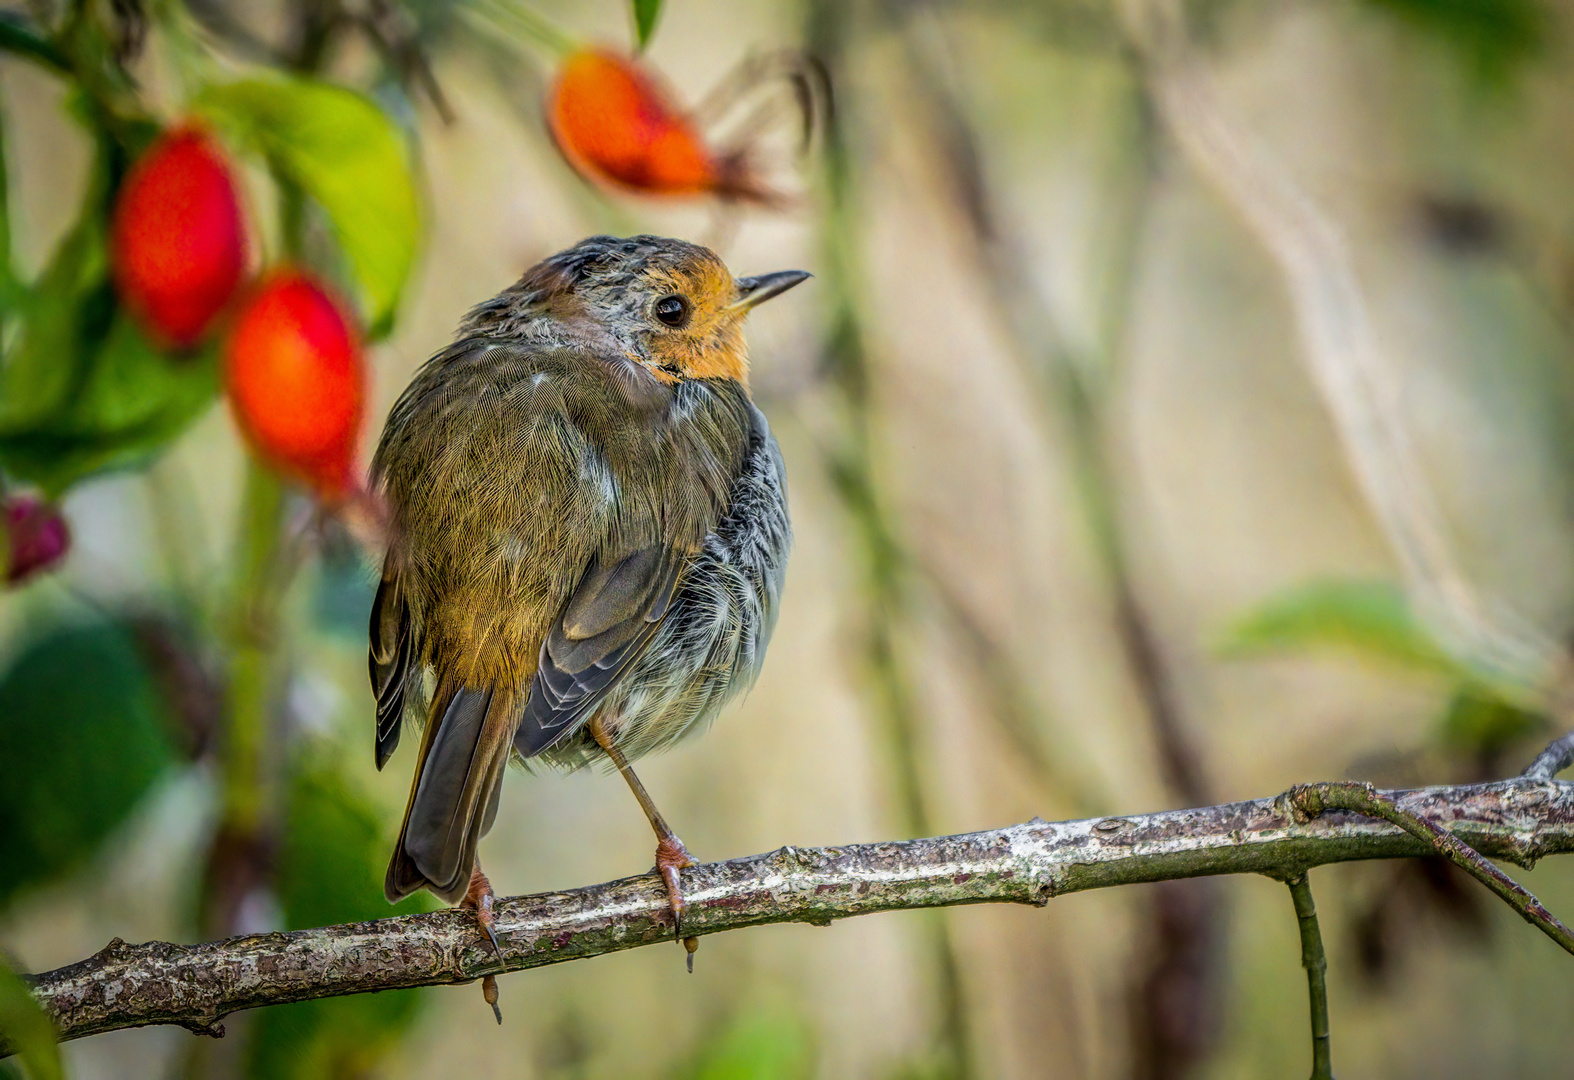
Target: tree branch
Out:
[196,986]
[1314,799]
[1551,761]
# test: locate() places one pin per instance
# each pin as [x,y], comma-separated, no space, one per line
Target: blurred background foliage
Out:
[1083,524]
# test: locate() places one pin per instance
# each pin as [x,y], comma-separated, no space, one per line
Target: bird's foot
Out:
[671,858]
[479,897]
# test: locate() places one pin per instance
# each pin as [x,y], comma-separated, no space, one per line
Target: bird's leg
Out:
[479,896]
[671,855]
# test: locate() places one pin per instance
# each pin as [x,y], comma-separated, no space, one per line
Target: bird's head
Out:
[670,306]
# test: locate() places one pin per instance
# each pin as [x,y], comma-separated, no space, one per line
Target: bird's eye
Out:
[673,311]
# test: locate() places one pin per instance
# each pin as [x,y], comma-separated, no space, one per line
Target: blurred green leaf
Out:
[25,1024]
[1369,617]
[62,324]
[349,158]
[81,388]
[758,1044]
[1483,725]
[646,12]
[83,738]
[131,401]
[335,850]
[331,871]
[1492,38]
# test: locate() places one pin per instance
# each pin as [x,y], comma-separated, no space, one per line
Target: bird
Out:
[587,534]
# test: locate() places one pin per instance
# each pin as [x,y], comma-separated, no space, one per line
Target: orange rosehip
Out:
[616,123]
[177,240]
[296,379]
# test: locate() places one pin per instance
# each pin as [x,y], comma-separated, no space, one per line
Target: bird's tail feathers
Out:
[454,795]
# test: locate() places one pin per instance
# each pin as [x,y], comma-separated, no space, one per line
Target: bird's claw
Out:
[489,993]
[479,897]
[671,858]
[491,934]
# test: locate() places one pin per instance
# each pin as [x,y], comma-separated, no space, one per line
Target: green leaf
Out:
[1493,39]
[49,359]
[1372,618]
[335,849]
[1484,725]
[81,388]
[66,313]
[331,871]
[129,402]
[25,1025]
[83,735]
[646,12]
[344,153]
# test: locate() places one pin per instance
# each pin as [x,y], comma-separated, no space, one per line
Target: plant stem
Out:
[252,630]
[504,20]
[9,299]
[886,561]
[1316,965]
[20,41]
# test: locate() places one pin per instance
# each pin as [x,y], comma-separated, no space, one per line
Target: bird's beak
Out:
[757,290]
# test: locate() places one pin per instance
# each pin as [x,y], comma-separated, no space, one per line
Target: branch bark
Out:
[1551,761]
[1363,798]
[195,986]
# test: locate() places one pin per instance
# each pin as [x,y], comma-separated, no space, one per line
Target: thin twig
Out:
[1551,761]
[1316,964]
[19,40]
[1314,799]
[196,986]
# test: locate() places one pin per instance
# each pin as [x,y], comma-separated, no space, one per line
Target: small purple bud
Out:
[36,534]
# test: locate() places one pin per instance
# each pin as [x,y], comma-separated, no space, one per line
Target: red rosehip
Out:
[296,380]
[36,536]
[616,123]
[178,241]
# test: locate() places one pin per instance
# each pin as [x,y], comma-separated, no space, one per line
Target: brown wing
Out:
[605,626]
[389,659]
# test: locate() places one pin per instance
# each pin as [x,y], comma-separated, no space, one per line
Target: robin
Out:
[588,534]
